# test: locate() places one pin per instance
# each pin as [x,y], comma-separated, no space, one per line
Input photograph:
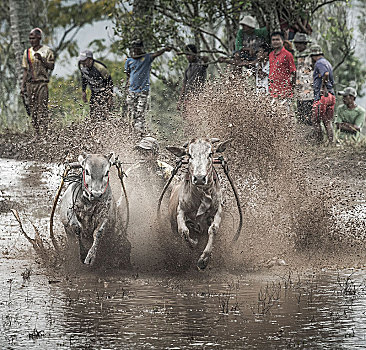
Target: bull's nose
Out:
[95,194]
[199,179]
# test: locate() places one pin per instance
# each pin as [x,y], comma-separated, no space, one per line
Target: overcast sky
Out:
[100,30]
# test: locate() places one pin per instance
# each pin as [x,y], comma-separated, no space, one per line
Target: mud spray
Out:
[291,209]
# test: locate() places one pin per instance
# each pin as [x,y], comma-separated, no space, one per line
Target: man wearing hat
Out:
[248,38]
[149,148]
[137,69]
[350,117]
[324,97]
[95,74]
[38,62]
[304,78]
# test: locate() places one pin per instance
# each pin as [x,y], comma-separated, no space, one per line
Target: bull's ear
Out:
[177,151]
[214,140]
[221,147]
[82,159]
[111,157]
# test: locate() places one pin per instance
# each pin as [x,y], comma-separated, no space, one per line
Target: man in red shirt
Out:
[282,70]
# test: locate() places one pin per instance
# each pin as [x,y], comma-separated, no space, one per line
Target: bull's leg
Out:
[92,253]
[183,230]
[212,230]
[73,232]
[83,250]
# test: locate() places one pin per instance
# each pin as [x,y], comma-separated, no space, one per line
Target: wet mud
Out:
[294,278]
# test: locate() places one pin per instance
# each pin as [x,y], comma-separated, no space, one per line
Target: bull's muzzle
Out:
[199,180]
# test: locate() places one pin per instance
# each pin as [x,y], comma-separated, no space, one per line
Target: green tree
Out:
[334,31]
[60,20]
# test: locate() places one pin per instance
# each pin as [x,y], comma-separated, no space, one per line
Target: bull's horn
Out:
[214,140]
[177,151]
[221,147]
[82,158]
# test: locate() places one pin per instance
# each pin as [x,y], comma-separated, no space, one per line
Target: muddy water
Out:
[275,308]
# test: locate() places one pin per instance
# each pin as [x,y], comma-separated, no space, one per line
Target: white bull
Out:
[88,209]
[195,205]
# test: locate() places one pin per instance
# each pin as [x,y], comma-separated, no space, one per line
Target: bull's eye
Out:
[106,174]
[86,172]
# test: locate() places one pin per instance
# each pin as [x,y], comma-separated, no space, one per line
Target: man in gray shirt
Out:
[194,76]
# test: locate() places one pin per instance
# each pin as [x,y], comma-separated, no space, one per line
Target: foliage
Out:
[335,34]
[211,25]
[60,21]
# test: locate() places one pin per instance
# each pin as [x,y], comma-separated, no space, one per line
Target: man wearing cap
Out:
[149,148]
[95,74]
[38,62]
[304,78]
[248,38]
[350,117]
[137,69]
[324,97]
[194,76]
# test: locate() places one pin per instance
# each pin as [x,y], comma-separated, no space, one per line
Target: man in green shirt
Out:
[351,117]
[248,38]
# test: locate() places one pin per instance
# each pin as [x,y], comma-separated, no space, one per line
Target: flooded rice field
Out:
[276,307]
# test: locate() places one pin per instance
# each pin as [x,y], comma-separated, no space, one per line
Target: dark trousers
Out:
[304,108]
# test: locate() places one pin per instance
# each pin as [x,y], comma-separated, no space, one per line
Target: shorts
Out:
[323,109]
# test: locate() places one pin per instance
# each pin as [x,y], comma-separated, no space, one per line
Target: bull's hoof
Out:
[203,262]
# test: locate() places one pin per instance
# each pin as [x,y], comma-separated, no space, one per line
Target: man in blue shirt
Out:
[137,69]
[324,97]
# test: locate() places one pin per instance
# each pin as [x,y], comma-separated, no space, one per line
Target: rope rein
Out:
[80,178]
[224,164]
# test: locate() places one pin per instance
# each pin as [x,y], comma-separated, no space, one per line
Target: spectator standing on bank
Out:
[350,116]
[304,78]
[324,98]
[95,74]
[137,69]
[194,75]
[38,62]
[249,38]
[282,70]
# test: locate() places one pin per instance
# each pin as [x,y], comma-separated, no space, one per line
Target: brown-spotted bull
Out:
[195,203]
[88,209]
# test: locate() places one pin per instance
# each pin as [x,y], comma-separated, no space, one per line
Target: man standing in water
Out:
[38,62]
[95,74]
[282,70]
[137,69]
[324,97]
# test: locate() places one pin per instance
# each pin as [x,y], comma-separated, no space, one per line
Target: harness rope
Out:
[86,185]
[174,172]
[220,160]
[76,178]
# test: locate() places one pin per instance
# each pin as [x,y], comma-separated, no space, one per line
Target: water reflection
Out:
[118,311]
[275,309]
